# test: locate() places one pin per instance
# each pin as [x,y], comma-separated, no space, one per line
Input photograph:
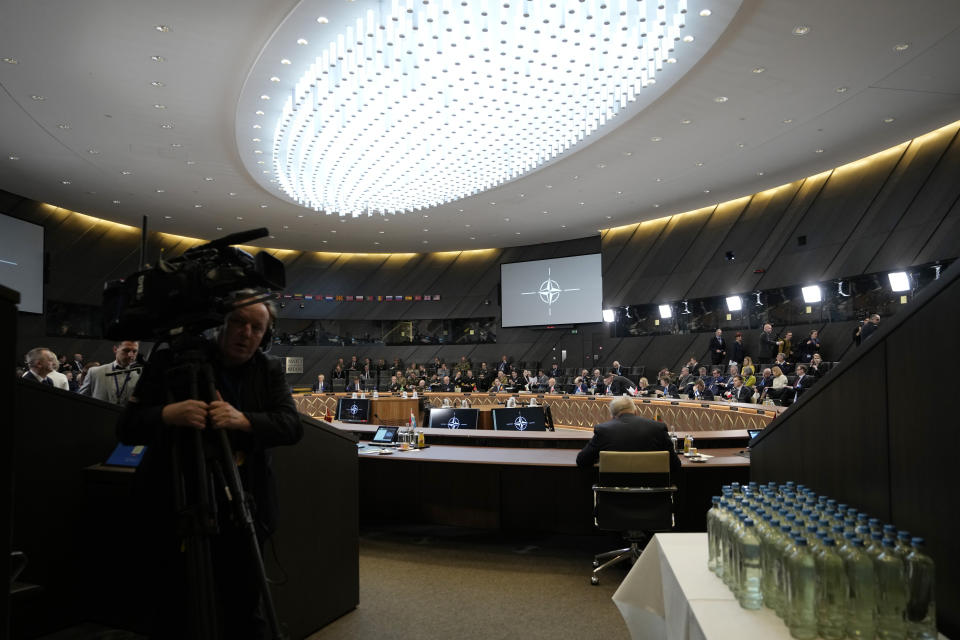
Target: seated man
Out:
[356,385]
[784,364]
[700,392]
[739,392]
[667,390]
[467,382]
[618,385]
[713,382]
[322,386]
[616,369]
[446,386]
[685,383]
[803,381]
[596,381]
[626,431]
[580,386]
[765,382]
[554,370]
[550,387]
[395,385]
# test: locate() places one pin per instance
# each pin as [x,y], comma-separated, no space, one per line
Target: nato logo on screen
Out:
[556,291]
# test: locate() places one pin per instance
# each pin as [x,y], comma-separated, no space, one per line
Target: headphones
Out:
[267,340]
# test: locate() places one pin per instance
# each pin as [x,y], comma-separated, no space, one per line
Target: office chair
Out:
[635,496]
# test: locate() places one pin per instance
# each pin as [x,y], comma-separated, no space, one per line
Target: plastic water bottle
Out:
[891,593]
[861,612]
[831,591]
[713,520]
[783,546]
[750,594]
[801,591]
[921,610]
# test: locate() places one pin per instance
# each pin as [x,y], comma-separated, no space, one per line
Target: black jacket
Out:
[718,349]
[628,432]
[620,385]
[257,388]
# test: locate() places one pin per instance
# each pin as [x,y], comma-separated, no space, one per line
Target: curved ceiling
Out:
[106,114]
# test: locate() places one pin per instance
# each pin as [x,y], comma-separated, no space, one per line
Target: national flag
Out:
[408,298]
[339,298]
[298,296]
[389,298]
[379,298]
[328,298]
[418,298]
[349,298]
[308,297]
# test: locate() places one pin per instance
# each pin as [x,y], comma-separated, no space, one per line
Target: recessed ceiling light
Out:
[628,153]
[720,99]
[601,166]
[63,125]
[157,83]
[705,13]
[175,145]
[801,30]
[168,217]
[256,139]
[818,151]
[758,69]
[563,226]
[493,204]
[166,125]
[381,232]
[13,157]
[208,179]
[256,126]
[473,237]
[258,151]
[467,226]
[261,162]
[232,194]
[788,121]
[264,97]
[258,112]
[38,98]
[302,41]
[521,195]
[263,206]
[656,139]
[274,79]
[376,242]
[10,60]
[699,164]
[686,121]
[160,191]
[322,20]
[286,226]
[609,217]
[198,206]
[759,173]
[425,230]
[688,38]
[888,120]
[65,182]
[333,230]
[740,145]
[116,202]
[191,162]
[841,89]
[516,233]
[300,215]
[159,106]
[158,58]
[162,28]
[239,217]
[671,61]
[549,186]
[706,190]
[656,206]
[285,61]
[902,46]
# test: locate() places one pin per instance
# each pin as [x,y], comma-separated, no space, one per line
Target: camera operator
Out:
[254,405]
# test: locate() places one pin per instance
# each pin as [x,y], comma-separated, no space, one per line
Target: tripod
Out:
[205,476]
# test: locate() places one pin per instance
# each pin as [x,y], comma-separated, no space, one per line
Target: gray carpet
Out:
[442,583]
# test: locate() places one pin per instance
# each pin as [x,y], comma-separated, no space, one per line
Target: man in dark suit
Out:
[871,325]
[737,351]
[769,345]
[357,385]
[618,385]
[626,431]
[616,369]
[322,386]
[739,392]
[699,391]
[803,381]
[550,387]
[504,365]
[554,371]
[718,347]
[666,389]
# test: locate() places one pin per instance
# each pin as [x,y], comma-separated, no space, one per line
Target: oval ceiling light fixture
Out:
[413,105]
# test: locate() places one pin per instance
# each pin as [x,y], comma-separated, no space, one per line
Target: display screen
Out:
[453,418]
[353,410]
[21,261]
[519,419]
[556,291]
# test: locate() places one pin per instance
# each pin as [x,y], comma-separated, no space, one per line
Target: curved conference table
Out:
[569,411]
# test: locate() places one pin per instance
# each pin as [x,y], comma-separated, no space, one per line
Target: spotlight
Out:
[936,271]
[840,291]
[899,281]
[729,255]
[666,311]
[608,315]
[758,303]
[626,313]
[686,308]
[812,294]
[734,303]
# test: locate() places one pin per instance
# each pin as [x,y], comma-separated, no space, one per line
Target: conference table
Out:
[569,411]
[509,487]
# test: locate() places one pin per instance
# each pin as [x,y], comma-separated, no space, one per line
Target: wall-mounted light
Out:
[812,294]
[666,311]
[686,308]
[757,303]
[899,281]
[734,303]
[608,315]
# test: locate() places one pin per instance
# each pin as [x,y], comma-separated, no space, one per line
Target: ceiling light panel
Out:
[416,104]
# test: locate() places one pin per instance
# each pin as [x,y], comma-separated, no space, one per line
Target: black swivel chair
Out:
[635,496]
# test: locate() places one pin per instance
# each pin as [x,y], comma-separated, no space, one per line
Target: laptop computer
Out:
[385,437]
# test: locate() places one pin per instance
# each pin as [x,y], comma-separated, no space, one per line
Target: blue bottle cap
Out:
[715,499]
[837,528]
[857,542]
[918,542]
[873,521]
[903,535]
[889,542]
[850,535]
[748,522]
[830,542]
[876,535]
[889,527]
[801,541]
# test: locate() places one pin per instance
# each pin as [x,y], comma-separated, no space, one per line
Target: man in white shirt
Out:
[114,382]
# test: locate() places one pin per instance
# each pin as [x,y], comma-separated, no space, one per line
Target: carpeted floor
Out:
[455,584]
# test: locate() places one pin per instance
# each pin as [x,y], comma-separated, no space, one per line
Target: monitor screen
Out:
[454,418]
[556,291]
[21,261]
[353,410]
[519,419]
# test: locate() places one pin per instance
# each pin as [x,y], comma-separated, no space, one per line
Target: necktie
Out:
[48,382]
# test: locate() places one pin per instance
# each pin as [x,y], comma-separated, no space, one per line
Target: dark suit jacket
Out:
[706,395]
[804,383]
[867,330]
[768,347]
[737,352]
[618,371]
[619,385]
[325,389]
[504,366]
[628,432]
[744,395]
[717,343]
[670,391]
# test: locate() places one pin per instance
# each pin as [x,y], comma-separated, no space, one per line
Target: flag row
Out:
[344,298]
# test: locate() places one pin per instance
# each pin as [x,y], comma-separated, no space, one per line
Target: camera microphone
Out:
[240,237]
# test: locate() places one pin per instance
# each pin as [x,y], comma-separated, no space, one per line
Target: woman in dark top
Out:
[338,373]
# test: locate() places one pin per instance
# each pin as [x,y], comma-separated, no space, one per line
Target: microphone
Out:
[240,237]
